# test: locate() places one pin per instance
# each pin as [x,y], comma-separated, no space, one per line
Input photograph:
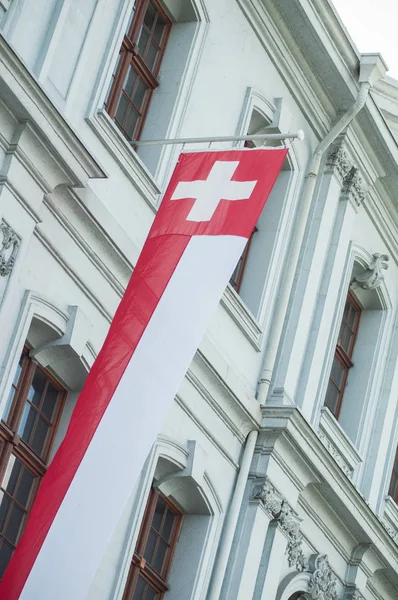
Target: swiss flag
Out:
[207,214]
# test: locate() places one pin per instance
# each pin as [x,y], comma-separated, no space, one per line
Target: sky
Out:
[373,27]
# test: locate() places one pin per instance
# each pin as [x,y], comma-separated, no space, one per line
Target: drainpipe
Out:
[231,519]
[372,68]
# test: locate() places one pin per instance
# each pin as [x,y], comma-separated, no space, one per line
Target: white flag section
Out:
[184,267]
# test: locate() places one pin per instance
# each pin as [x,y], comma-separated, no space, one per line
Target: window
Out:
[342,362]
[147,579]
[135,75]
[26,434]
[237,275]
[393,489]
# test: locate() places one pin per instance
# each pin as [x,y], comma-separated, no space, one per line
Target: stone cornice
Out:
[290,429]
[32,104]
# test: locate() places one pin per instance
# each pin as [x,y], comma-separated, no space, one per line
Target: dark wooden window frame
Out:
[11,443]
[393,488]
[239,271]
[139,566]
[344,356]
[129,56]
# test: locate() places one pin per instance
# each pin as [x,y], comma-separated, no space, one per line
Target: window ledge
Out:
[242,316]
[126,157]
[338,443]
[390,518]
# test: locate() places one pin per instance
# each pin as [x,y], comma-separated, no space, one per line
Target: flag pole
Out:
[299,135]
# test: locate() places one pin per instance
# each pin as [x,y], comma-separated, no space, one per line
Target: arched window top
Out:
[294,586]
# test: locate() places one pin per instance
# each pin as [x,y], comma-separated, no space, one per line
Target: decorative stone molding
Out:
[290,524]
[8,248]
[353,594]
[338,161]
[335,454]
[372,276]
[271,499]
[323,581]
[353,186]
[287,518]
[338,444]
[393,533]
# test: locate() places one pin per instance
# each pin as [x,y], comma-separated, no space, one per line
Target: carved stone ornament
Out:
[270,498]
[290,523]
[373,275]
[322,585]
[287,519]
[338,161]
[354,186]
[8,248]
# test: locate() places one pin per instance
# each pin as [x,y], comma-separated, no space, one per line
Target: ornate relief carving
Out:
[290,523]
[323,581]
[354,186]
[338,160]
[8,248]
[335,454]
[373,275]
[270,498]
[287,519]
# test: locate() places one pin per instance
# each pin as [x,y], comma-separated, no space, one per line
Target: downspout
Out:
[231,519]
[372,68]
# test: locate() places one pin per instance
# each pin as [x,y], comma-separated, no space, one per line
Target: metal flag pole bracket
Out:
[299,135]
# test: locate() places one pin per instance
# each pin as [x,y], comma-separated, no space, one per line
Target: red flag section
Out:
[208,212]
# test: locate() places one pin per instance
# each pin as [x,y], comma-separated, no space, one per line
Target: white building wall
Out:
[81,202]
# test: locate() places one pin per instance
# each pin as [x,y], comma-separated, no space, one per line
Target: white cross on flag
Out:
[208,212]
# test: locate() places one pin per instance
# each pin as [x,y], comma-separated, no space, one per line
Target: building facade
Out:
[275,476]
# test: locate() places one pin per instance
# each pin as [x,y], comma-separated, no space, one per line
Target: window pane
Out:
[129,82]
[50,402]
[121,109]
[11,475]
[151,56]
[332,398]
[26,484]
[143,591]
[6,551]
[159,29]
[14,524]
[38,443]
[160,556]
[18,485]
[140,93]
[150,546]
[27,423]
[143,41]
[168,525]
[131,122]
[5,503]
[158,515]
[37,387]
[150,16]
[14,386]
[139,592]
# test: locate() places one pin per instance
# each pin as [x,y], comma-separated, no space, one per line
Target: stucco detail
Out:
[372,276]
[323,581]
[8,248]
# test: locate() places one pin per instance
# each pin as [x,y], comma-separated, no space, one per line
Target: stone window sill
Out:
[126,157]
[390,518]
[338,443]
[242,316]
